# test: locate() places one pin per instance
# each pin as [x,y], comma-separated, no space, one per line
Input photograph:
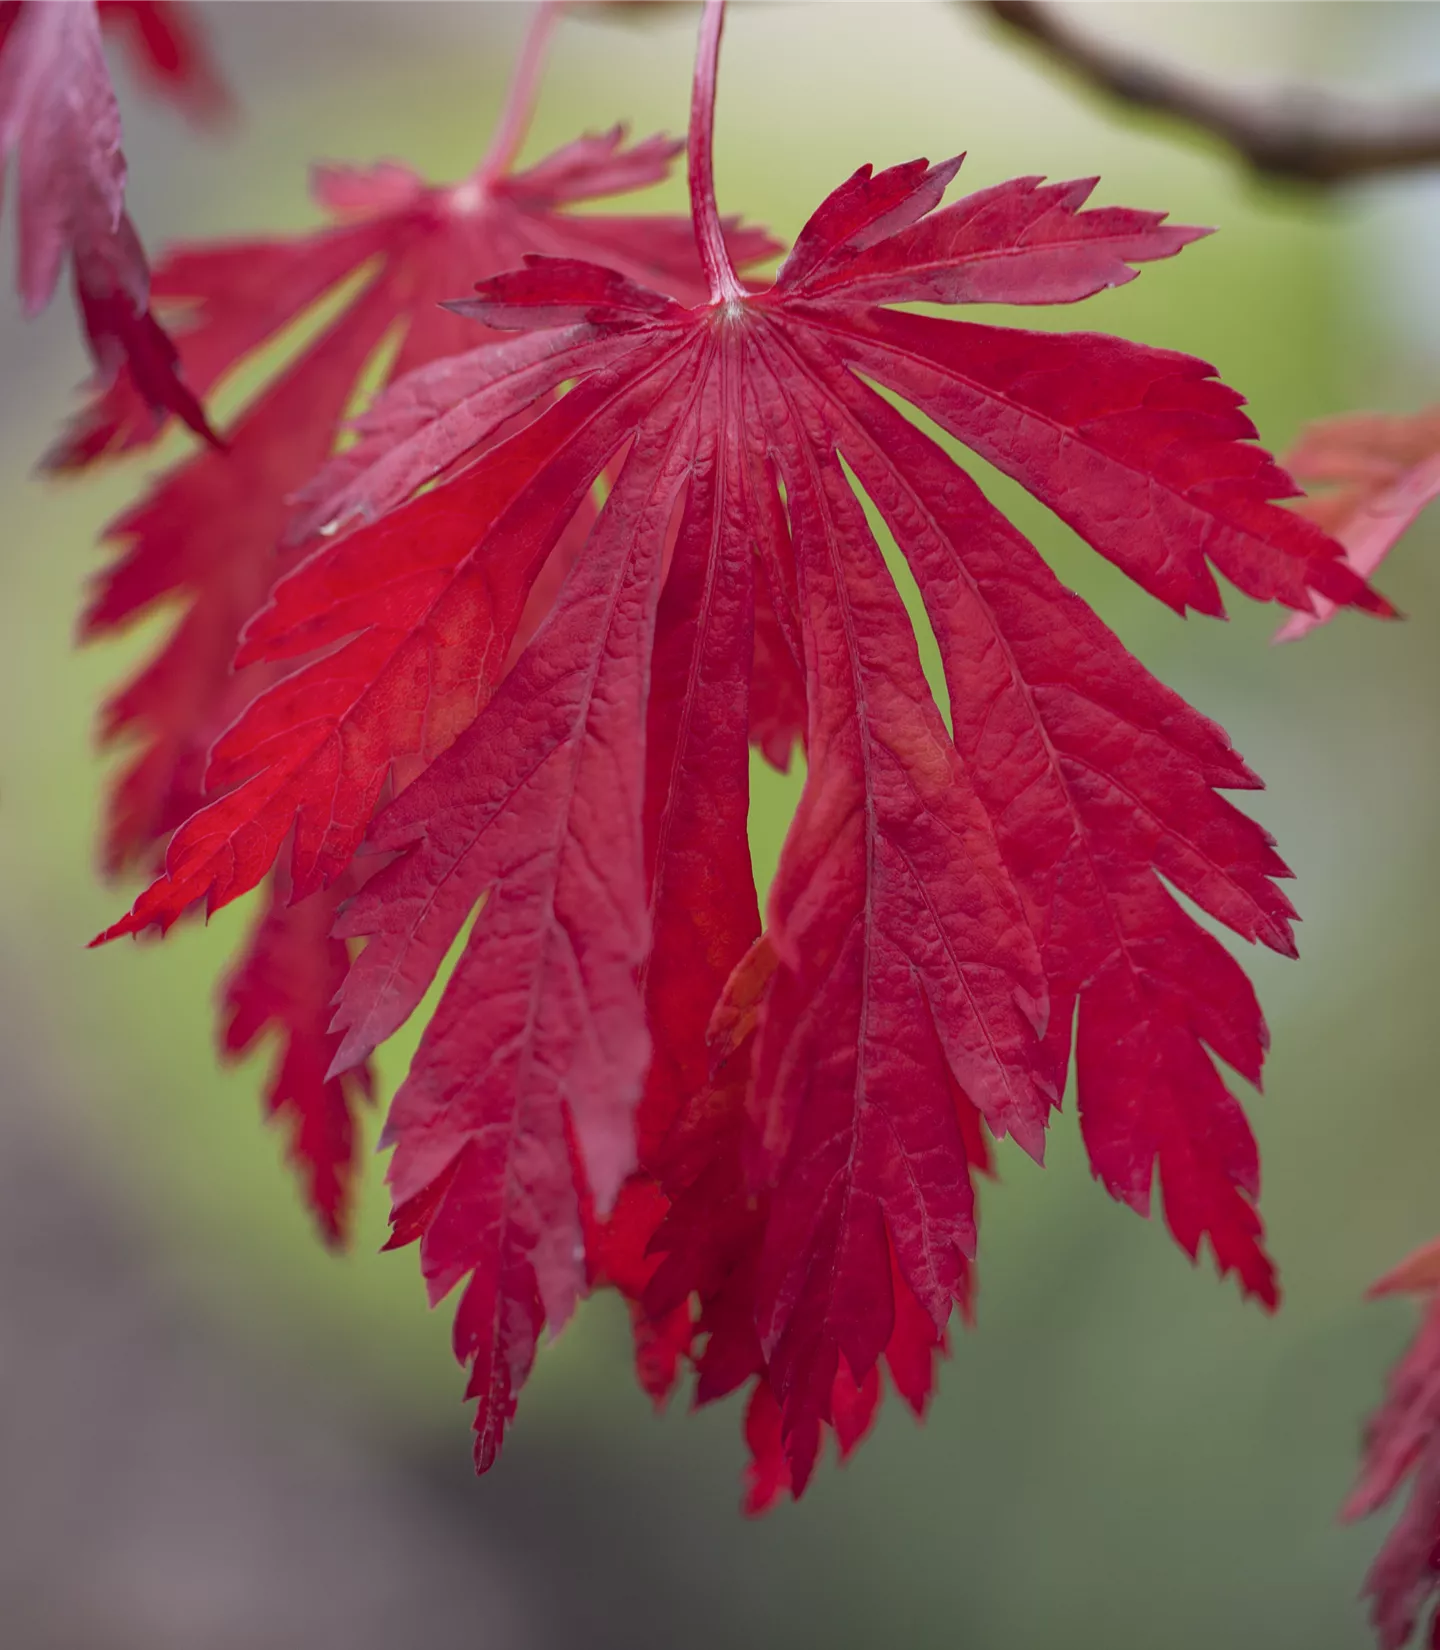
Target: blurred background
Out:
[214,1435]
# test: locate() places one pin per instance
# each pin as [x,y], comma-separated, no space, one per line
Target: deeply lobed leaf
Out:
[310,755]
[952,902]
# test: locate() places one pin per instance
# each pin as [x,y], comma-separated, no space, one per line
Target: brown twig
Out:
[1303,135]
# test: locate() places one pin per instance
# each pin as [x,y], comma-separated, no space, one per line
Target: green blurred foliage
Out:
[1123,1454]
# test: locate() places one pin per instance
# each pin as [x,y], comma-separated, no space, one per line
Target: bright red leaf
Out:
[208,535]
[950,902]
[209,530]
[1379,472]
[58,118]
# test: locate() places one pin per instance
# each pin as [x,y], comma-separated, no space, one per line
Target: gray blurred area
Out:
[166,1486]
[215,1437]
[165,1489]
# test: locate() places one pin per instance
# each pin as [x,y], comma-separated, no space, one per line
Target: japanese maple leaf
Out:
[1380,472]
[207,536]
[58,117]
[945,901]
[1402,1442]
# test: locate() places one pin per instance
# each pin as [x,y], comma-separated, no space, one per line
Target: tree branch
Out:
[1300,134]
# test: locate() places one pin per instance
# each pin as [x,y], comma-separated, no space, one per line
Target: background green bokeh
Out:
[1122,1455]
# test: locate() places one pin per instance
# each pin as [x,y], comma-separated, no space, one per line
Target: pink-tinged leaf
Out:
[1402,1441]
[284,983]
[1415,1274]
[599,164]
[166,42]
[166,45]
[59,119]
[228,301]
[1379,473]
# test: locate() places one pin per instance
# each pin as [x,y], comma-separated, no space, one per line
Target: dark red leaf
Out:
[951,901]
[59,119]
[209,535]
[211,528]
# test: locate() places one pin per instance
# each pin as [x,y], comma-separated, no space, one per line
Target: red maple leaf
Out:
[1402,1442]
[1379,472]
[945,901]
[207,536]
[58,117]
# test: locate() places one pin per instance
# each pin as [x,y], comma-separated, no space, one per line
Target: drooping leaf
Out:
[950,902]
[1402,1443]
[211,535]
[59,119]
[210,531]
[167,43]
